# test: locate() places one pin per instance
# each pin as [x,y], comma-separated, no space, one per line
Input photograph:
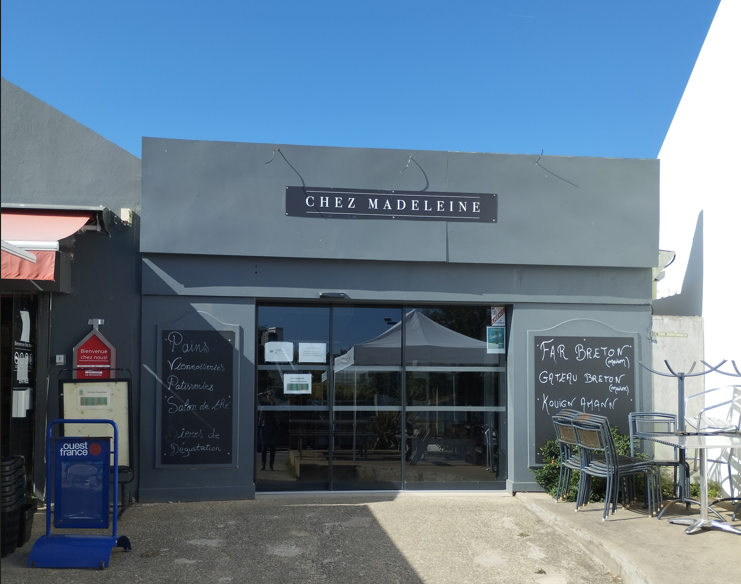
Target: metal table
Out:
[702,442]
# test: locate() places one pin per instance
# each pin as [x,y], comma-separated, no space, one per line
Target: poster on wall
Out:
[498,316]
[278,352]
[495,339]
[297,383]
[94,357]
[495,334]
[23,362]
[23,350]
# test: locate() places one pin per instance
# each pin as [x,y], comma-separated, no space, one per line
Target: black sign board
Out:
[197,397]
[590,374]
[337,203]
[24,344]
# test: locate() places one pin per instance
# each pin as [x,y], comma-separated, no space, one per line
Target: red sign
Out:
[95,356]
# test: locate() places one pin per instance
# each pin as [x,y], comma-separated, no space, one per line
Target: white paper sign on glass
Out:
[278,352]
[296,383]
[312,352]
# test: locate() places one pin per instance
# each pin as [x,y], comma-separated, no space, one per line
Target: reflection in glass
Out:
[366,336]
[454,388]
[351,408]
[445,446]
[448,336]
[292,433]
[367,430]
[367,450]
[291,324]
[292,438]
[367,398]
[454,393]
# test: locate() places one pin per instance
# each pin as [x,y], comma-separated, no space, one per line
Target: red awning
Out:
[36,230]
[15,268]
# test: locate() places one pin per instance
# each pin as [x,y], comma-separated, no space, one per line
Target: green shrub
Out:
[714,490]
[547,475]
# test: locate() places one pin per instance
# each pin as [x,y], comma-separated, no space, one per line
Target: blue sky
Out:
[581,78]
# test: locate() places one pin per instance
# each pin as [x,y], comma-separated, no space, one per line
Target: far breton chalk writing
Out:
[196,411]
[588,374]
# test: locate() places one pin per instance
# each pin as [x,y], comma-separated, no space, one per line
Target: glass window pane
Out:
[292,438]
[448,336]
[367,450]
[303,330]
[453,446]
[292,434]
[455,388]
[366,345]
[355,387]
[366,337]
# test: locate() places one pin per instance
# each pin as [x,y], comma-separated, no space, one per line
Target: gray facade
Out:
[50,161]
[570,255]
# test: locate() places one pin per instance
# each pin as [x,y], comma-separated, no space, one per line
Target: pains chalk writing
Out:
[177,343]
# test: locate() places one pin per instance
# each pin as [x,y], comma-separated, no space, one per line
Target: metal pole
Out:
[681,404]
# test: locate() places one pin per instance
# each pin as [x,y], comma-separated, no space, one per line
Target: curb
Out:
[612,559]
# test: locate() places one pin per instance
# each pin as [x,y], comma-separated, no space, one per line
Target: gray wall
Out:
[530,320]
[49,159]
[564,301]
[221,198]
[185,483]
[391,281]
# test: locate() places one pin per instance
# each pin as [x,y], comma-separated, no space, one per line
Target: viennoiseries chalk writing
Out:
[196,411]
[588,374]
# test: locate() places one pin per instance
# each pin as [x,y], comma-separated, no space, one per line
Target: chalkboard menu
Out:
[196,399]
[589,374]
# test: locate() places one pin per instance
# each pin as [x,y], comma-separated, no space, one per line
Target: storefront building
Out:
[64,192]
[338,319]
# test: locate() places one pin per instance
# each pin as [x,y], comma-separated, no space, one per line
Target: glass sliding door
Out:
[367,413]
[455,400]
[379,398]
[292,441]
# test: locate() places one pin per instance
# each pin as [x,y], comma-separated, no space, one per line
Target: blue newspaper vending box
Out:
[81,499]
[81,482]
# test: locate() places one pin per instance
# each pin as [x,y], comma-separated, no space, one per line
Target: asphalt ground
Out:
[447,537]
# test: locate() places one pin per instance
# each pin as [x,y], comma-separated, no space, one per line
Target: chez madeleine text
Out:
[436,205]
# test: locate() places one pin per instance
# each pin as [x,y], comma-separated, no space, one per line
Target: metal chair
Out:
[570,460]
[710,424]
[594,437]
[642,423]
[730,423]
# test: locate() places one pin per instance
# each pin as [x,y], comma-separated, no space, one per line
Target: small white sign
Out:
[312,352]
[278,352]
[498,316]
[94,397]
[296,383]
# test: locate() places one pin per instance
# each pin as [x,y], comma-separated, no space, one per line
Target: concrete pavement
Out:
[397,538]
